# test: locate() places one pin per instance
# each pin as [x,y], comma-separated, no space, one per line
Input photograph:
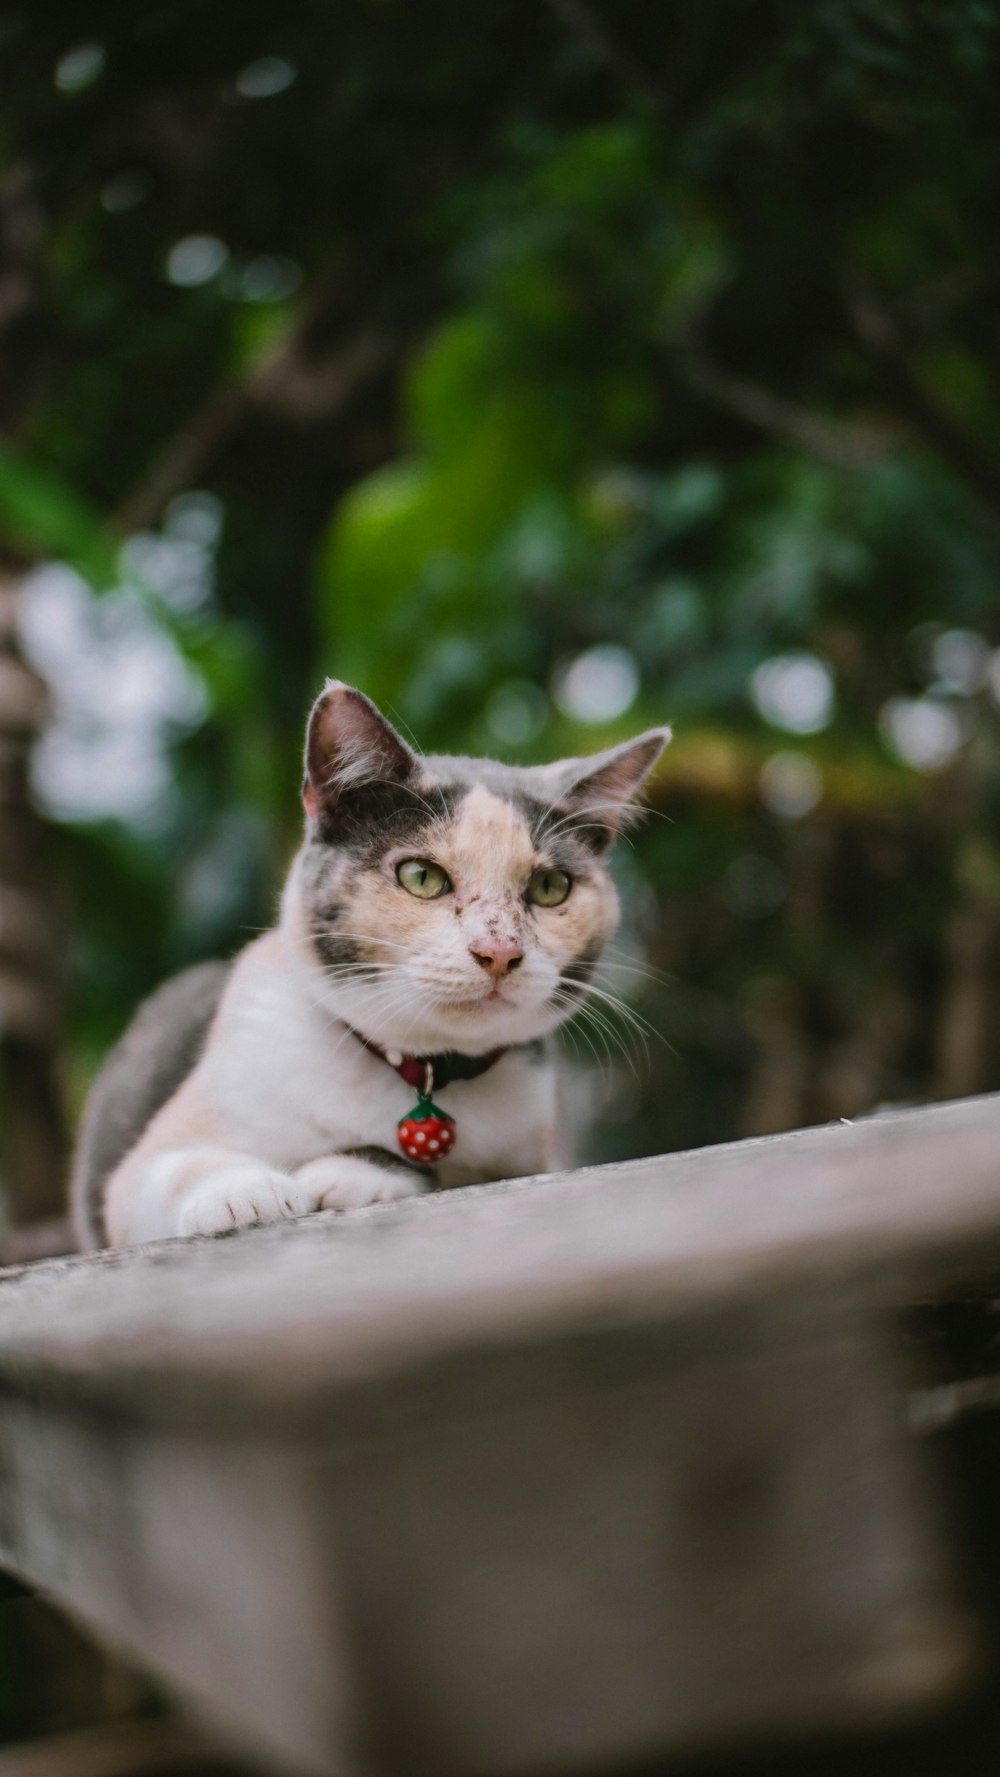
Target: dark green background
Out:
[669,327]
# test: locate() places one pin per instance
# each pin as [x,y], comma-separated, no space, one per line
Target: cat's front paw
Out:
[240,1195]
[341,1181]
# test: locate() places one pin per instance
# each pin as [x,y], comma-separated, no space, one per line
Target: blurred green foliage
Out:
[500,336]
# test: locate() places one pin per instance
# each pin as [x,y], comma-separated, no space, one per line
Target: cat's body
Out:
[439,907]
[145,1068]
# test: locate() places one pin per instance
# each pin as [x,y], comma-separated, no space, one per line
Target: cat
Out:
[442,918]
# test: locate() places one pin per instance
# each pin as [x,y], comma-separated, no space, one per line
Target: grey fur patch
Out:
[386,1158]
[566,838]
[571,836]
[371,819]
[336,951]
[144,1069]
[460,772]
[324,870]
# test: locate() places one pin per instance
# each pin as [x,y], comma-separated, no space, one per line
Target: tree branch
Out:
[285,383]
[842,446]
[583,23]
[879,333]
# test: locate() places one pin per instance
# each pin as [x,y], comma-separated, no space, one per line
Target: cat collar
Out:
[427,1133]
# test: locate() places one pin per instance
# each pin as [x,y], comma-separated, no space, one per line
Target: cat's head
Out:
[452,903]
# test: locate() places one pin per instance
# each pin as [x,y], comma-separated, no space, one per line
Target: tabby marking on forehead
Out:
[488,844]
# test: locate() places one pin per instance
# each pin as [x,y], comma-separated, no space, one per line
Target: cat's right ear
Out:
[349,743]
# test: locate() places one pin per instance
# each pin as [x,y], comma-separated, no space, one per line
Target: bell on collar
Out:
[426,1134]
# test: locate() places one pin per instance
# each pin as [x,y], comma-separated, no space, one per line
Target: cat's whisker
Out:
[378,1010]
[625,1011]
[632,1021]
[620,819]
[356,969]
[625,1048]
[586,1023]
[570,817]
[642,1026]
[613,1038]
[348,977]
[615,959]
[577,1029]
[585,827]
[333,931]
[614,1042]
[438,816]
[558,802]
[404,728]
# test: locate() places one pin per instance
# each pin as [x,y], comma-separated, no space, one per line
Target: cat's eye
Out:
[422,878]
[548,888]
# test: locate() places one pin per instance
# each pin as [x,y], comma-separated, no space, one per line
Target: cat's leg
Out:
[201,1190]
[359,1176]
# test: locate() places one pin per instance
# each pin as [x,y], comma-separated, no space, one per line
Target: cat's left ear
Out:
[599,790]
[349,744]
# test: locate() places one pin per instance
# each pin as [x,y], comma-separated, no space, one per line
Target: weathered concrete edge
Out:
[887,1210]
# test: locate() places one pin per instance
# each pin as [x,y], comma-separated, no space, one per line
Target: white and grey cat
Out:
[442,910]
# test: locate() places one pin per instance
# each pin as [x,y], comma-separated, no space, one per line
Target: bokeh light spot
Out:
[270,277]
[80,67]
[790,785]
[265,77]
[121,692]
[961,662]
[599,685]
[922,732]
[794,692]
[196,259]
[195,517]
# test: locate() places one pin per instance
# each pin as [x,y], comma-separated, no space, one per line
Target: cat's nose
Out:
[498,958]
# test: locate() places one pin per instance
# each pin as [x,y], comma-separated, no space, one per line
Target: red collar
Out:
[431,1073]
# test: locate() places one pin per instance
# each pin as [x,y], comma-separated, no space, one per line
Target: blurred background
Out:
[548,371]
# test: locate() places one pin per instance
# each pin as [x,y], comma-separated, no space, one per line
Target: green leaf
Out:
[43,515]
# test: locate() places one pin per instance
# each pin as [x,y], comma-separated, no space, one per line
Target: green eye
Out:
[548,888]
[422,878]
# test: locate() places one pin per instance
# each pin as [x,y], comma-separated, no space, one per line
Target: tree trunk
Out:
[33,1136]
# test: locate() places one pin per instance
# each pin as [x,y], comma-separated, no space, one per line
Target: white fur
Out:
[343,1181]
[252,1135]
[237,1195]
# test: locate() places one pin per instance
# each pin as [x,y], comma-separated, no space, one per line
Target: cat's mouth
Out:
[493,996]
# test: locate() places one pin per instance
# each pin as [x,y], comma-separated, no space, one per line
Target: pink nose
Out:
[498,958]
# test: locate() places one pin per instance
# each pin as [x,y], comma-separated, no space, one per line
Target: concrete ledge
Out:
[550,1474]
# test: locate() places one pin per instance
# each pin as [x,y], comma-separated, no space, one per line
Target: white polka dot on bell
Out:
[420,1135]
[434,1144]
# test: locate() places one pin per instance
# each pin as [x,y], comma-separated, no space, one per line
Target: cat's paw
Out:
[341,1181]
[358,1193]
[240,1195]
